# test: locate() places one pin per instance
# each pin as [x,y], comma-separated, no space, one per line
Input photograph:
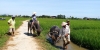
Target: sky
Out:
[75,8]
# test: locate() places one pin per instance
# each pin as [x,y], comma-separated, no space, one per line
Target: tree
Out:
[44,16]
[85,18]
[61,16]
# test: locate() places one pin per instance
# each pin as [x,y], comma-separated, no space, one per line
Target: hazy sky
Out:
[76,8]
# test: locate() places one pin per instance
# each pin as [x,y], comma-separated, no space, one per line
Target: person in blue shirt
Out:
[34,17]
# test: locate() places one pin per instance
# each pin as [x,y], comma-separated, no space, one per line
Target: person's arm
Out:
[67,32]
[9,22]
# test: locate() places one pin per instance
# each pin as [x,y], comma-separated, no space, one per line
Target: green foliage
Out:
[86,33]
[44,16]
[58,16]
[61,16]
[4,28]
[83,32]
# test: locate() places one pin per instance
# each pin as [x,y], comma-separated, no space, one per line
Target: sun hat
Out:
[34,12]
[63,23]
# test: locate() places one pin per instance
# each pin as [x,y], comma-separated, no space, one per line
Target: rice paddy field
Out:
[85,33]
[4,28]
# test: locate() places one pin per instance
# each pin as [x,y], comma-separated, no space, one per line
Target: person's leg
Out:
[10,31]
[63,43]
[32,24]
[68,39]
[65,40]
[13,31]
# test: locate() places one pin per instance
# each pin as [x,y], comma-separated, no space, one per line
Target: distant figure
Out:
[68,23]
[64,32]
[34,16]
[11,23]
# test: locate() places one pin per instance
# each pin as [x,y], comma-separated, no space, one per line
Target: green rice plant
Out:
[86,33]
[4,28]
[83,32]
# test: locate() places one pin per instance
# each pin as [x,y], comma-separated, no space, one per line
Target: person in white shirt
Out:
[64,32]
[11,23]
[68,23]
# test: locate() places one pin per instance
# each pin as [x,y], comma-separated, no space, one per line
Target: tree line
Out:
[60,16]
[42,16]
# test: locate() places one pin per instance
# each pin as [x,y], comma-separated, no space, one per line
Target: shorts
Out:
[11,30]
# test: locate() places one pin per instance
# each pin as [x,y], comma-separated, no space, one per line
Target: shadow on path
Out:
[30,34]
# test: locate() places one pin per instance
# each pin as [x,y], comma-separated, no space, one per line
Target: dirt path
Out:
[21,41]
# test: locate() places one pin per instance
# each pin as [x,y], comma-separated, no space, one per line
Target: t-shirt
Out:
[34,16]
[65,31]
[12,22]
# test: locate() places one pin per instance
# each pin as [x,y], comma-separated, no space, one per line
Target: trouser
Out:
[65,41]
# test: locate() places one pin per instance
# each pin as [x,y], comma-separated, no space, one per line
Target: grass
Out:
[83,32]
[86,33]
[4,28]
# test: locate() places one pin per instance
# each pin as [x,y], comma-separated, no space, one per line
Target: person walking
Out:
[68,23]
[64,32]
[11,23]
